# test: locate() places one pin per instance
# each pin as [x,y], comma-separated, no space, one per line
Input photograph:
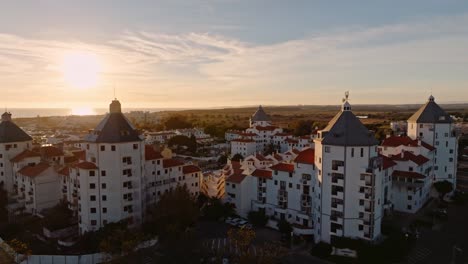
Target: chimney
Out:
[402,154]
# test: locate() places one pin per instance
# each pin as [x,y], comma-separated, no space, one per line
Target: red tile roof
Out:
[25,154]
[33,171]
[283,134]
[190,169]
[395,141]
[419,159]
[247,134]
[81,154]
[70,159]
[168,163]
[307,156]
[296,151]
[387,162]
[260,157]
[278,157]
[236,178]
[151,154]
[243,140]
[51,151]
[267,174]
[408,174]
[86,165]
[65,171]
[283,167]
[292,140]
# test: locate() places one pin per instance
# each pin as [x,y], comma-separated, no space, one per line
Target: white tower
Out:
[13,140]
[434,126]
[347,165]
[111,190]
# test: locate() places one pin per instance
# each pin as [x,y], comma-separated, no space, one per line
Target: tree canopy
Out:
[189,142]
[443,187]
[177,122]
[237,157]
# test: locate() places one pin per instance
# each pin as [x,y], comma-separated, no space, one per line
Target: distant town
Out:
[126,188]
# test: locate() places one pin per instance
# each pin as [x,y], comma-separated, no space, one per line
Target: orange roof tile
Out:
[283,167]
[190,169]
[236,178]
[307,156]
[33,171]
[167,163]
[86,165]
[51,151]
[151,154]
[267,174]
[408,174]
[25,154]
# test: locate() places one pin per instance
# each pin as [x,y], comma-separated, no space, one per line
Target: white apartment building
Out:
[262,136]
[13,141]
[349,174]
[434,126]
[213,184]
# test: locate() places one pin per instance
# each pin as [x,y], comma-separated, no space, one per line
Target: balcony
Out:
[305,181]
[302,230]
[337,232]
[262,184]
[336,218]
[282,195]
[337,206]
[338,182]
[337,194]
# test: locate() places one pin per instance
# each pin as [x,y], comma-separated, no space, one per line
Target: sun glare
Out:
[80,69]
[82,111]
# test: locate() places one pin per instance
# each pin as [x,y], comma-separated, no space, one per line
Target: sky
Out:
[213,53]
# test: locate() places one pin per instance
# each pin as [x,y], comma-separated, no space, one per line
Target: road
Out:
[436,246]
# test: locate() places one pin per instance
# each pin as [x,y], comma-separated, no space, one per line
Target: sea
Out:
[42,112]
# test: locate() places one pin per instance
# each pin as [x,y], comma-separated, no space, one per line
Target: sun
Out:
[83,110]
[80,69]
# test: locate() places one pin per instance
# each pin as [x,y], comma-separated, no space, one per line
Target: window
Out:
[93,222]
[276,182]
[92,197]
[135,146]
[327,149]
[103,148]
[408,207]
[298,186]
[290,185]
[93,210]
[104,210]
[362,152]
[410,197]
[421,126]
[352,152]
[361,227]
[233,185]
[113,147]
[103,173]
[92,173]
[104,197]
[450,159]
[92,186]
[103,186]
[451,151]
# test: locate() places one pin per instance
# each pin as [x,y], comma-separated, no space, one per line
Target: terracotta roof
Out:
[419,159]
[267,174]
[283,167]
[278,157]
[283,134]
[33,171]
[260,157]
[296,151]
[151,154]
[387,162]
[81,154]
[70,159]
[292,140]
[395,141]
[25,154]
[307,156]
[86,165]
[408,174]
[247,134]
[236,178]
[243,140]
[167,163]
[51,151]
[65,171]
[190,169]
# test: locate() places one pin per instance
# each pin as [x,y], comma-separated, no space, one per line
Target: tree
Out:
[443,187]
[215,209]
[237,157]
[222,159]
[119,240]
[303,127]
[58,217]
[284,227]
[180,140]
[177,122]
[19,247]
[175,212]
[243,239]
[258,218]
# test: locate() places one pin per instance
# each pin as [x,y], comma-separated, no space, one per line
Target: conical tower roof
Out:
[345,129]
[260,115]
[430,112]
[114,128]
[10,132]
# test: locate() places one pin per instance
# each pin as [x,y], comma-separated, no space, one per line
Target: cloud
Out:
[202,69]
